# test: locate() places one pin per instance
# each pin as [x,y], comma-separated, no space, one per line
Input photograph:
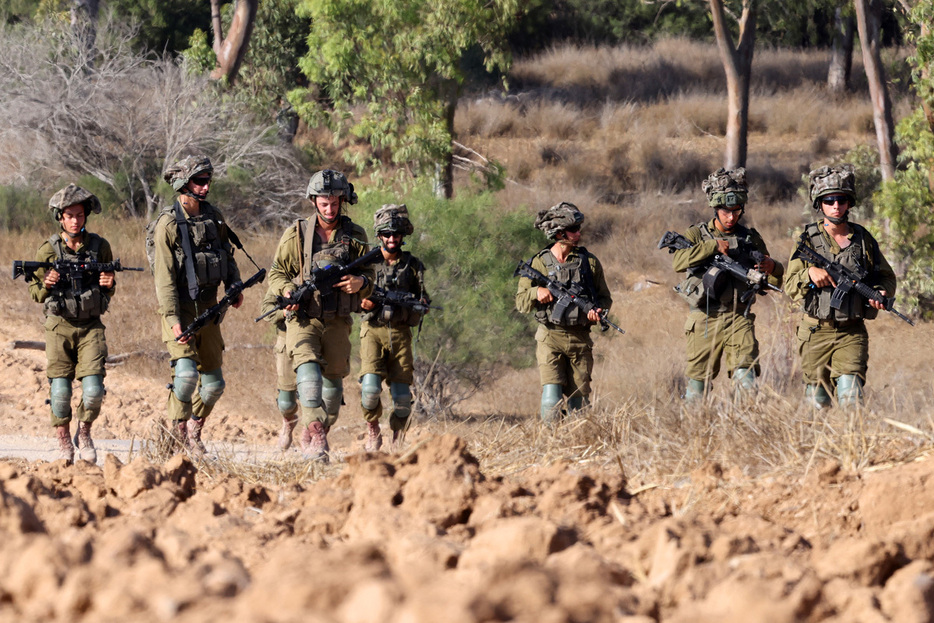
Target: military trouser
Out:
[74,350]
[831,349]
[325,342]
[206,350]
[711,336]
[285,371]
[565,358]
[386,351]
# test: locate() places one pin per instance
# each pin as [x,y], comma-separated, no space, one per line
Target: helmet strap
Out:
[839,220]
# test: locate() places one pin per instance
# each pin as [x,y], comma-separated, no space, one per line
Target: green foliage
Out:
[22,209]
[470,249]
[164,25]
[200,56]
[387,70]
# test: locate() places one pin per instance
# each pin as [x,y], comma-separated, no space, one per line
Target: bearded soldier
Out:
[386,332]
[318,329]
[75,345]
[192,257]
[564,348]
[719,322]
[833,343]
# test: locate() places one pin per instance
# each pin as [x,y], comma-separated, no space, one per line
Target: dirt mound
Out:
[427,536]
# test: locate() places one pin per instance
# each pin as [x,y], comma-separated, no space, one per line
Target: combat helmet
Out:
[71,195]
[827,180]
[330,183]
[557,218]
[188,167]
[726,188]
[392,218]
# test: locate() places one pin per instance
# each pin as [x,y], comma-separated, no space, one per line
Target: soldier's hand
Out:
[106,280]
[767,265]
[820,277]
[544,295]
[594,314]
[239,301]
[877,304]
[367,305]
[289,308]
[350,284]
[177,330]
[51,278]
[723,246]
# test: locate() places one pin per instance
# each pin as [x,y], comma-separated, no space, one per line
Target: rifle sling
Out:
[185,235]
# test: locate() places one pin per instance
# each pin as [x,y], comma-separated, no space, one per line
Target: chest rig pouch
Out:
[210,258]
[574,274]
[399,277]
[858,257]
[709,287]
[79,299]
[318,254]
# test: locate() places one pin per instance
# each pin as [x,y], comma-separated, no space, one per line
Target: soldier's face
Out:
[571,235]
[73,219]
[392,241]
[835,206]
[729,218]
[328,208]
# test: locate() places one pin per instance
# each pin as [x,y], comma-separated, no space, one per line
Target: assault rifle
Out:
[846,281]
[217,310]
[565,296]
[322,280]
[71,270]
[721,267]
[398,298]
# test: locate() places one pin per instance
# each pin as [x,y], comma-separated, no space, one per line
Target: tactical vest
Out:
[861,256]
[575,270]
[86,301]
[318,254]
[729,291]
[403,276]
[209,251]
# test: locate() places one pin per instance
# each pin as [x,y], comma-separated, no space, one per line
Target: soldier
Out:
[564,350]
[318,331]
[719,324]
[833,343]
[386,332]
[75,345]
[287,396]
[192,257]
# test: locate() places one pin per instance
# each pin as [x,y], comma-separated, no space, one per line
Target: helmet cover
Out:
[392,218]
[726,189]
[71,195]
[828,180]
[188,167]
[330,183]
[557,218]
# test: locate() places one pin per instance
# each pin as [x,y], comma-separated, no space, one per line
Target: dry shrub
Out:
[770,185]
[487,118]
[667,170]
[556,121]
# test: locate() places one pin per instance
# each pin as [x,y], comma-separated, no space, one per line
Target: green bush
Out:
[470,248]
[22,209]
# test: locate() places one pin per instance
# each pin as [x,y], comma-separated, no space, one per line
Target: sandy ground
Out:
[426,536]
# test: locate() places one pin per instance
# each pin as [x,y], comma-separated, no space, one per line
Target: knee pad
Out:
[694,390]
[371,386]
[576,403]
[60,398]
[287,403]
[401,400]
[849,390]
[186,379]
[332,394]
[92,392]
[212,387]
[745,378]
[551,396]
[816,396]
[308,382]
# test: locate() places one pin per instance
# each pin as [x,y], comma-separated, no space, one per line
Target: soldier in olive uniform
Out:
[833,343]
[386,332]
[75,345]
[318,330]
[287,394]
[718,323]
[564,349]
[192,257]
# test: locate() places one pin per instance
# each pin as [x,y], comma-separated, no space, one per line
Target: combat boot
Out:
[84,443]
[373,439]
[285,433]
[66,449]
[195,447]
[316,448]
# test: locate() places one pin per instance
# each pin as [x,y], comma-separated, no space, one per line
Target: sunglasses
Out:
[573,229]
[391,234]
[832,199]
[201,181]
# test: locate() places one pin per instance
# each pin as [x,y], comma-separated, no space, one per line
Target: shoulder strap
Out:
[185,236]
[587,274]
[301,226]
[55,240]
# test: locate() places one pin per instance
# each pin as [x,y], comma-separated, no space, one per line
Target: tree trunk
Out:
[868,19]
[84,25]
[841,58]
[216,25]
[737,65]
[234,46]
[444,172]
